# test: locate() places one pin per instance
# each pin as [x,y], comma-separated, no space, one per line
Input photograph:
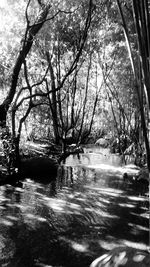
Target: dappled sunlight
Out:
[6,222]
[74,126]
[122,256]
[12,218]
[126,205]
[112,243]
[135,198]
[59,205]
[139,227]
[34,217]
[105,167]
[107,215]
[84,211]
[106,191]
[78,246]
[143,215]
[137,245]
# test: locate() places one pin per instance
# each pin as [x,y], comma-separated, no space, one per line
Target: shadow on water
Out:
[75,218]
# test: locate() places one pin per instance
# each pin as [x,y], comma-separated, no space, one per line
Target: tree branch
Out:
[30,33]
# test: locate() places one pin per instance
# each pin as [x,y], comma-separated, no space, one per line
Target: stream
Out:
[86,211]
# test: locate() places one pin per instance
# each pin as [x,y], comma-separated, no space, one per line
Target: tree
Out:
[65,51]
[141,17]
[27,42]
[33,26]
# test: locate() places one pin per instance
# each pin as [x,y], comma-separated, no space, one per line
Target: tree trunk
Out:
[30,33]
[142,22]
[53,101]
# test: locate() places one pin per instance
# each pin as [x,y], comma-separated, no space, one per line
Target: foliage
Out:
[9,155]
[75,76]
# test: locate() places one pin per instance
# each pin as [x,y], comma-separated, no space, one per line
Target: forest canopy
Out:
[76,69]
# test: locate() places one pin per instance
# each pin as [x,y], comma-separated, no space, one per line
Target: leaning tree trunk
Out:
[30,33]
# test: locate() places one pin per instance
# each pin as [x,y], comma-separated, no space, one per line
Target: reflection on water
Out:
[72,220]
[94,156]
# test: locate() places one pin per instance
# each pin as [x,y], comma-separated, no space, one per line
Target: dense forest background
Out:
[75,71]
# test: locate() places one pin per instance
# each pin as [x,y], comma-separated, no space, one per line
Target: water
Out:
[71,221]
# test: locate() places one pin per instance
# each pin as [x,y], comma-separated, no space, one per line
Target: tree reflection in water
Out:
[72,220]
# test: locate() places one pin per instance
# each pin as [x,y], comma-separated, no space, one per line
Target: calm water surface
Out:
[69,222]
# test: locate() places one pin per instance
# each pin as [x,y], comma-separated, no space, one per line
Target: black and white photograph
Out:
[74,133]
